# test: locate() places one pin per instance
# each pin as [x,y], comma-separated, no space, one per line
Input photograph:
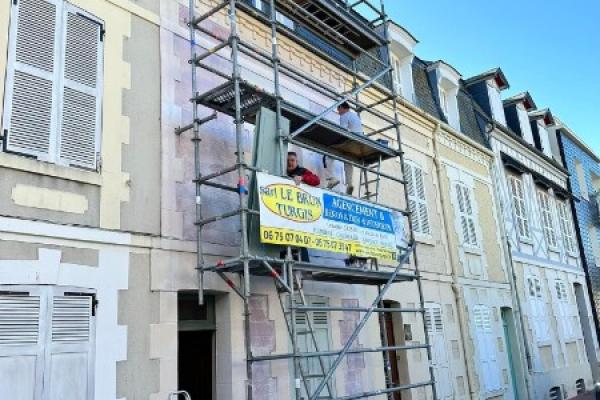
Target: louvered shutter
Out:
[22,327]
[422,202]
[435,328]
[547,220]
[487,348]
[466,215]
[417,201]
[320,324]
[70,344]
[516,186]
[410,189]
[81,89]
[29,117]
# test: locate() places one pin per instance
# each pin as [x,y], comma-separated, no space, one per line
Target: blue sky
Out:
[549,47]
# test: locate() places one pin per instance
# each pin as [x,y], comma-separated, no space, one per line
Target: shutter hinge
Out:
[95,303]
[4,134]
[102,33]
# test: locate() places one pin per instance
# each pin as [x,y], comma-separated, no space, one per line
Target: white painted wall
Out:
[110,276]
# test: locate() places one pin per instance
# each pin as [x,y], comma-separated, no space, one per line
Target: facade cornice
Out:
[463,147]
[512,148]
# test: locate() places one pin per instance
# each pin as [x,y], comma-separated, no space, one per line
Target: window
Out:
[561,291]
[487,347]
[538,310]
[51,346]
[544,139]
[547,220]
[566,226]
[434,325]
[565,317]
[518,200]
[54,83]
[397,65]
[417,202]
[283,19]
[496,102]
[319,321]
[555,393]
[466,215]
[444,101]
[524,123]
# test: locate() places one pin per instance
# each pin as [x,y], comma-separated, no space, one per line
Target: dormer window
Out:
[447,80]
[444,101]
[403,45]
[544,139]
[540,121]
[496,102]
[485,89]
[524,123]
[397,65]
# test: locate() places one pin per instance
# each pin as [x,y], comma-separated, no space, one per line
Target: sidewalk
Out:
[585,396]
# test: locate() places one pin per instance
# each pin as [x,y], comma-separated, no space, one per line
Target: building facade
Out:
[546,263]
[584,170]
[451,167]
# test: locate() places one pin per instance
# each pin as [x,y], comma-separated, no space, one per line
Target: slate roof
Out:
[423,90]
[495,73]
[471,124]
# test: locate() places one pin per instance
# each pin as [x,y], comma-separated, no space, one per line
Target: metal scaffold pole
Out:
[243,190]
[395,96]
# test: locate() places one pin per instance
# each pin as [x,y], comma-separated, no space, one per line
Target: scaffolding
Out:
[342,23]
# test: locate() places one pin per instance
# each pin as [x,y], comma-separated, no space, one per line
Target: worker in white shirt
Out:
[349,120]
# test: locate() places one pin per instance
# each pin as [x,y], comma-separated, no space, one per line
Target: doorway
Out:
[396,336]
[588,338]
[515,365]
[196,346]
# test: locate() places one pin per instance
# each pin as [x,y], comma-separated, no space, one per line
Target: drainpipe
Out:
[507,250]
[450,244]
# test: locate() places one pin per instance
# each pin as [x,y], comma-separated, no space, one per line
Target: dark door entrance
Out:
[391,340]
[195,362]
[196,346]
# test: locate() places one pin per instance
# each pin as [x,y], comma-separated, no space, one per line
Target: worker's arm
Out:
[311,179]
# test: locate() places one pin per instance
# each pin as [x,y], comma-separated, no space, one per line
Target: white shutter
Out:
[547,220]
[487,348]
[434,325]
[22,327]
[566,226]
[417,201]
[466,215]
[46,342]
[30,102]
[518,200]
[537,305]
[80,117]
[69,348]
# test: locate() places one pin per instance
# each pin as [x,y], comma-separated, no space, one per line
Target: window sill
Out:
[424,239]
[526,240]
[472,250]
[20,163]
[554,250]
